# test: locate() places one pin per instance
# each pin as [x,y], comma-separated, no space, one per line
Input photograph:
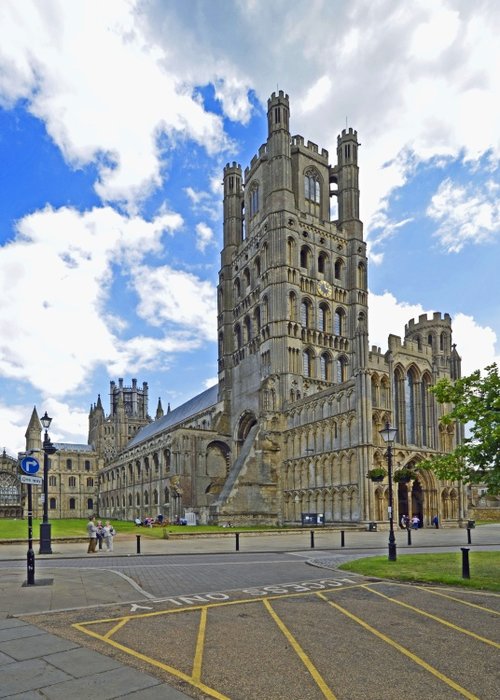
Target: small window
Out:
[90,481]
[254,200]
[72,504]
[69,464]
[90,504]
[72,482]
[87,465]
[52,503]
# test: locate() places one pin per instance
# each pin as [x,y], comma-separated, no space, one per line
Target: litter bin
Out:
[372,527]
[471,524]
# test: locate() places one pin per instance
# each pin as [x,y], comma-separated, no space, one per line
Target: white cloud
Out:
[100,88]
[204,236]
[465,214]
[173,296]
[55,280]
[475,343]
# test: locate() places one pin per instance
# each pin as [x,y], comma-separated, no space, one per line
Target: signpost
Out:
[30,466]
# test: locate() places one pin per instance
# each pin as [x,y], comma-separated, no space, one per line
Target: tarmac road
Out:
[245,625]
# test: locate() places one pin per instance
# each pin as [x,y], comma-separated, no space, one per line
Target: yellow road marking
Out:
[154,662]
[220,604]
[459,600]
[435,618]
[400,648]
[200,642]
[300,653]
[114,629]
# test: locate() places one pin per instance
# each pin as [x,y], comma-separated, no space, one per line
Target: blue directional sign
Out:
[30,465]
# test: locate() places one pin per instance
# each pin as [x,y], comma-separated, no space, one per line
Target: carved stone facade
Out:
[293,424]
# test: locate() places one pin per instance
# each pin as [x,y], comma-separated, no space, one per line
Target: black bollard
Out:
[138,544]
[312,539]
[469,541]
[237,541]
[465,562]
[342,539]
[30,559]
[409,535]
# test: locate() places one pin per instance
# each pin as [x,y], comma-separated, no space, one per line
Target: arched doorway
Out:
[417,501]
[247,421]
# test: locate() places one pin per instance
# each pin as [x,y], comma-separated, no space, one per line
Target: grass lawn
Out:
[74,527]
[434,568]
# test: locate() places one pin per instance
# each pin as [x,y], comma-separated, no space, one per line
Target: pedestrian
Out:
[435,522]
[92,533]
[100,534]
[415,522]
[108,532]
[403,522]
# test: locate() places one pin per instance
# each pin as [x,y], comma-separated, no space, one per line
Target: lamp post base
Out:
[45,539]
[392,551]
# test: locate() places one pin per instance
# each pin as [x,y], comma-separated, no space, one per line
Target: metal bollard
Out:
[409,535]
[342,538]
[237,541]
[469,541]
[465,562]
[312,539]
[138,544]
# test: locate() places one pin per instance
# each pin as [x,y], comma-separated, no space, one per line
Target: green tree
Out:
[475,400]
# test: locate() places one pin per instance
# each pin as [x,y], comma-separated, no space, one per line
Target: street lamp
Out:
[45,527]
[389,434]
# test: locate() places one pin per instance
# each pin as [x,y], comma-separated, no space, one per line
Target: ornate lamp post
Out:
[389,434]
[45,527]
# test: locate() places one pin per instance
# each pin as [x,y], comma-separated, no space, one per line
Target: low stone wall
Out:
[490,514]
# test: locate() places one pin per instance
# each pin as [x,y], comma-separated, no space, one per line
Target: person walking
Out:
[92,533]
[100,534]
[435,522]
[108,532]
[415,521]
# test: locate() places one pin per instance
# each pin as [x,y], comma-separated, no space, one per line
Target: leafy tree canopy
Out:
[475,400]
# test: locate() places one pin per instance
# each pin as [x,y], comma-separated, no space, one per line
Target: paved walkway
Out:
[32,659]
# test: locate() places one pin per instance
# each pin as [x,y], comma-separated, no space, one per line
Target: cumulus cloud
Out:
[465,214]
[89,74]
[55,281]
[204,236]
[173,296]
[476,344]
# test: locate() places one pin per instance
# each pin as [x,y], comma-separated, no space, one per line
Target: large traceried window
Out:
[410,408]
[312,188]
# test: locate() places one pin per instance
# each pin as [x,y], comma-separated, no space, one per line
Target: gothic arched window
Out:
[339,322]
[254,199]
[312,188]
[341,369]
[325,367]
[305,313]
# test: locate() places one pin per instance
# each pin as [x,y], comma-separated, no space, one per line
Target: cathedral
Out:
[292,428]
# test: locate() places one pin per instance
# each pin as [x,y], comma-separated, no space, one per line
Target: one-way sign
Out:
[30,465]
[25,479]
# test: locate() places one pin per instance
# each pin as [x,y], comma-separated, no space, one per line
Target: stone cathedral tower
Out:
[292,426]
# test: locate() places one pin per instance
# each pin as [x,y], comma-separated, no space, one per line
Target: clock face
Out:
[324,288]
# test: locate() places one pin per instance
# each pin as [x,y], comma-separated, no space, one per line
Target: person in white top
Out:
[109,533]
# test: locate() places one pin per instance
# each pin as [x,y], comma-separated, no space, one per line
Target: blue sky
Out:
[116,120]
